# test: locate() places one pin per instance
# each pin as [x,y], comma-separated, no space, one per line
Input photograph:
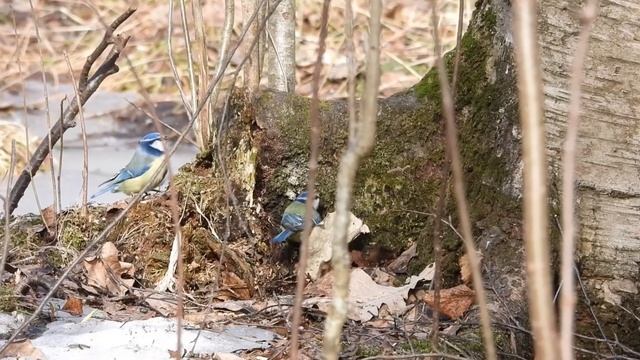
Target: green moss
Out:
[416,346]
[75,230]
[429,86]
[368,351]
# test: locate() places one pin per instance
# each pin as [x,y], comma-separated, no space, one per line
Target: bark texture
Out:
[608,153]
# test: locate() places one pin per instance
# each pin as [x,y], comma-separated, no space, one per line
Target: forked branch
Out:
[87,86]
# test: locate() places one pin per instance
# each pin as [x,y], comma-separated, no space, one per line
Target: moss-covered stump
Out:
[397,185]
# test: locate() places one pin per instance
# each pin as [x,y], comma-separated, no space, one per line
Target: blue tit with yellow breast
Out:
[145,167]
[293,217]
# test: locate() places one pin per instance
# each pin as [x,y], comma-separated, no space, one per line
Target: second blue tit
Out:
[293,217]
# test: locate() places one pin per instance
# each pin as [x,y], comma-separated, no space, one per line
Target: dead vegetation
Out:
[73,27]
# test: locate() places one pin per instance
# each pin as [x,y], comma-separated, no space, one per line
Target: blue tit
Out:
[293,217]
[145,167]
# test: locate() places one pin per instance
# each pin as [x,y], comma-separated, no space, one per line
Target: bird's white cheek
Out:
[158,145]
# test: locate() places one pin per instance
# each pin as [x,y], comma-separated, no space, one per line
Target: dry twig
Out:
[460,193]
[568,294]
[85,148]
[542,313]
[360,143]
[7,215]
[314,120]
[87,86]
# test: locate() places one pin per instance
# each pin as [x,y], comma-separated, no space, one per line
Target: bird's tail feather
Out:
[104,188]
[282,237]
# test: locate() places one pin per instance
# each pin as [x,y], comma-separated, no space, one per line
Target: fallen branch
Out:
[87,86]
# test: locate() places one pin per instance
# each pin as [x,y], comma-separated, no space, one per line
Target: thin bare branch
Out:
[456,61]
[360,143]
[187,42]
[172,62]
[26,123]
[7,214]
[85,148]
[202,126]
[536,214]
[314,120]
[67,118]
[45,88]
[568,295]
[460,192]
[227,29]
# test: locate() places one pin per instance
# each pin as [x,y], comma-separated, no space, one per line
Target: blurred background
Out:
[114,118]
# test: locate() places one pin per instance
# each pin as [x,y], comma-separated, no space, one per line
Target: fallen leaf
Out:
[320,242]
[401,263]
[233,287]
[106,272]
[50,217]
[365,296]
[203,318]
[163,304]
[73,306]
[23,349]
[454,302]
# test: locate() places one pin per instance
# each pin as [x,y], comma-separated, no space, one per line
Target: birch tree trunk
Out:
[281,48]
[608,152]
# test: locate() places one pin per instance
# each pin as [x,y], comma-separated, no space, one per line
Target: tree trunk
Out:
[608,153]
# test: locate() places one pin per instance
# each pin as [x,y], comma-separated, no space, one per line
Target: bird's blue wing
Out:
[292,222]
[316,218]
[138,165]
[282,237]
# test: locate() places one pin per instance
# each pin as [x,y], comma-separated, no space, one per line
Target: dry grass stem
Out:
[314,120]
[85,147]
[536,214]
[460,193]
[172,62]
[7,213]
[45,89]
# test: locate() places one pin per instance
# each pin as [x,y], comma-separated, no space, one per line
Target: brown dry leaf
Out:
[201,318]
[381,323]
[50,217]
[401,263]
[23,350]
[105,272]
[73,306]
[454,302]
[233,287]
[165,305]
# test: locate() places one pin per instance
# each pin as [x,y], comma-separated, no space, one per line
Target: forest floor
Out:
[74,28]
